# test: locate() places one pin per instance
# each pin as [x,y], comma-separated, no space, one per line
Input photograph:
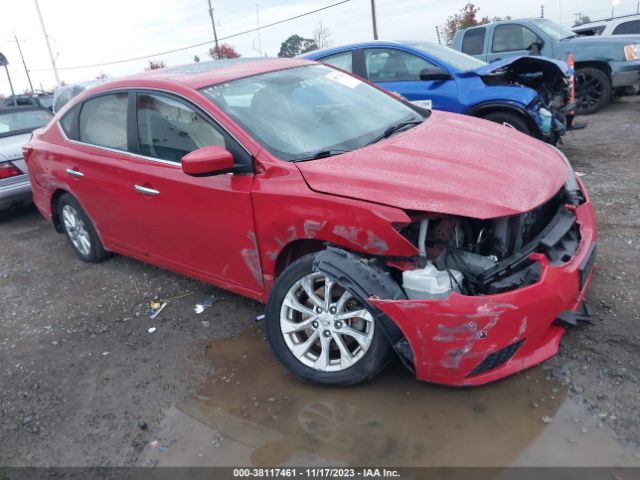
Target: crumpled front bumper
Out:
[472,340]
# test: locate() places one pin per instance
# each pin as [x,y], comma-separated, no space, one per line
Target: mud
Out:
[245,415]
[82,382]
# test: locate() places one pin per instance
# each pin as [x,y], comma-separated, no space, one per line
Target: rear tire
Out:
[79,230]
[593,90]
[509,119]
[349,363]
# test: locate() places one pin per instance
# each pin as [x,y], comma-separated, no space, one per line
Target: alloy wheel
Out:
[324,325]
[76,230]
[589,91]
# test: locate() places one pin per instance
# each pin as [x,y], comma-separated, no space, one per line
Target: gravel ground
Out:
[84,383]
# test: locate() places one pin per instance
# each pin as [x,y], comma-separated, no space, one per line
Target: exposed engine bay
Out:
[482,257]
[545,77]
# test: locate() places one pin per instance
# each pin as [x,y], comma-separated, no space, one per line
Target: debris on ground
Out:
[155,308]
[547,419]
[151,330]
[202,306]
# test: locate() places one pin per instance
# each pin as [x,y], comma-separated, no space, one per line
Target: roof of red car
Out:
[198,75]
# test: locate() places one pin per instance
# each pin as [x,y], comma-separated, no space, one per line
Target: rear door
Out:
[510,39]
[399,71]
[473,42]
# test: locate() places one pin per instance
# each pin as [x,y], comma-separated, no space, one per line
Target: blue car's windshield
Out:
[458,60]
[312,111]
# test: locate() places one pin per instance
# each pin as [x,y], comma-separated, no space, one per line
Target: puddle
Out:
[252,413]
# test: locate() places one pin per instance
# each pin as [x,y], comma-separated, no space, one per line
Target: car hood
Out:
[11,147]
[526,64]
[450,164]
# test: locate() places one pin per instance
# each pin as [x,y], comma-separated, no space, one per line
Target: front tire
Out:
[593,90]
[322,332]
[509,119]
[79,230]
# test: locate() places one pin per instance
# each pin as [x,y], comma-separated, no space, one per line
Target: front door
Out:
[399,71]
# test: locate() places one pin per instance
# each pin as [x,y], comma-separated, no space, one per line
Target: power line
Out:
[166,52]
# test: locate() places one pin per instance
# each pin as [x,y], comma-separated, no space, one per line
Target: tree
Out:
[581,20]
[102,76]
[467,17]
[196,59]
[223,51]
[322,36]
[155,65]
[296,45]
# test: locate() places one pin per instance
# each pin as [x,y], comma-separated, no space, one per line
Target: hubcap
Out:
[76,230]
[324,326]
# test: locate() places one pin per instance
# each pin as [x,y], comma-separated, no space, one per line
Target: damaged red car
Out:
[367,225]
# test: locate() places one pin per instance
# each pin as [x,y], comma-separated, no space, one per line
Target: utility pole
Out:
[373,19]
[438,33]
[258,25]
[46,38]
[4,62]
[26,70]
[541,11]
[213,25]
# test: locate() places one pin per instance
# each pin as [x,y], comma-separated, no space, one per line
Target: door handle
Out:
[74,173]
[145,190]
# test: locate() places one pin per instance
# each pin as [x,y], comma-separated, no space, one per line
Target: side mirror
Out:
[536,47]
[211,160]
[436,75]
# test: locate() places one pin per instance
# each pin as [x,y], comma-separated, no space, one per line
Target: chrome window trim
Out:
[137,155]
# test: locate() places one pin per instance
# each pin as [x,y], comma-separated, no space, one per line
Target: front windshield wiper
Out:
[321,154]
[396,127]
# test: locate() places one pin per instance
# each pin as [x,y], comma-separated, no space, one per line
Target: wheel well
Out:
[57,224]
[603,66]
[483,111]
[294,250]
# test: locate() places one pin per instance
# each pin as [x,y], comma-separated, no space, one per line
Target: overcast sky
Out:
[90,31]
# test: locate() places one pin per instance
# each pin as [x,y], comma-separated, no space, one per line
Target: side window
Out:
[510,37]
[627,28]
[103,121]
[473,41]
[341,60]
[69,123]
[389,65]
[169,129]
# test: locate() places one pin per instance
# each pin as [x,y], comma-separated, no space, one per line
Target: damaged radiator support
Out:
[363,278]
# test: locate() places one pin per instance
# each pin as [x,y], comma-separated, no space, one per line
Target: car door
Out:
[399,71]
[202,226]
[97,168]
[510,39]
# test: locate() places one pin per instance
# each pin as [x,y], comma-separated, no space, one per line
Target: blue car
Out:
[530,94]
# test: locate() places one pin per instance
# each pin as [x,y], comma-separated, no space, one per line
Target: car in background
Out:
[66,92]
[627,25]
[603,65]
[369,226]
[16,125]
[38,99]
[529,94]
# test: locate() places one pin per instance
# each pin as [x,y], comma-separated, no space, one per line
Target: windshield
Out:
[460,61]
[553,29]
[309,111]
[14,122]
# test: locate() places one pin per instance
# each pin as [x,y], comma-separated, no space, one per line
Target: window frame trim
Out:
[128,90]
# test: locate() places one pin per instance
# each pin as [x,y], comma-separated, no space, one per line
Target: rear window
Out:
[69,123]
[473,41]
[627,28]
[103,121]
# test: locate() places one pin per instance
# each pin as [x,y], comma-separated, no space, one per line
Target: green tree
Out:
[296,45]
[467,17]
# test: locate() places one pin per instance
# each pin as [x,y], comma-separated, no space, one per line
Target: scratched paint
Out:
[373,243]
[252,258]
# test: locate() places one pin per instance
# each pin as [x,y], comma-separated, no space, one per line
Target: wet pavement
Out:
[252,413]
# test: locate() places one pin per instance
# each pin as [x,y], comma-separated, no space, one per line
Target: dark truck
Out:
[603,65]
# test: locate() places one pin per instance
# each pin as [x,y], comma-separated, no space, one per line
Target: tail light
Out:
[8,170]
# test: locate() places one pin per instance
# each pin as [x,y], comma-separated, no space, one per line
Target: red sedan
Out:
[367,225]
